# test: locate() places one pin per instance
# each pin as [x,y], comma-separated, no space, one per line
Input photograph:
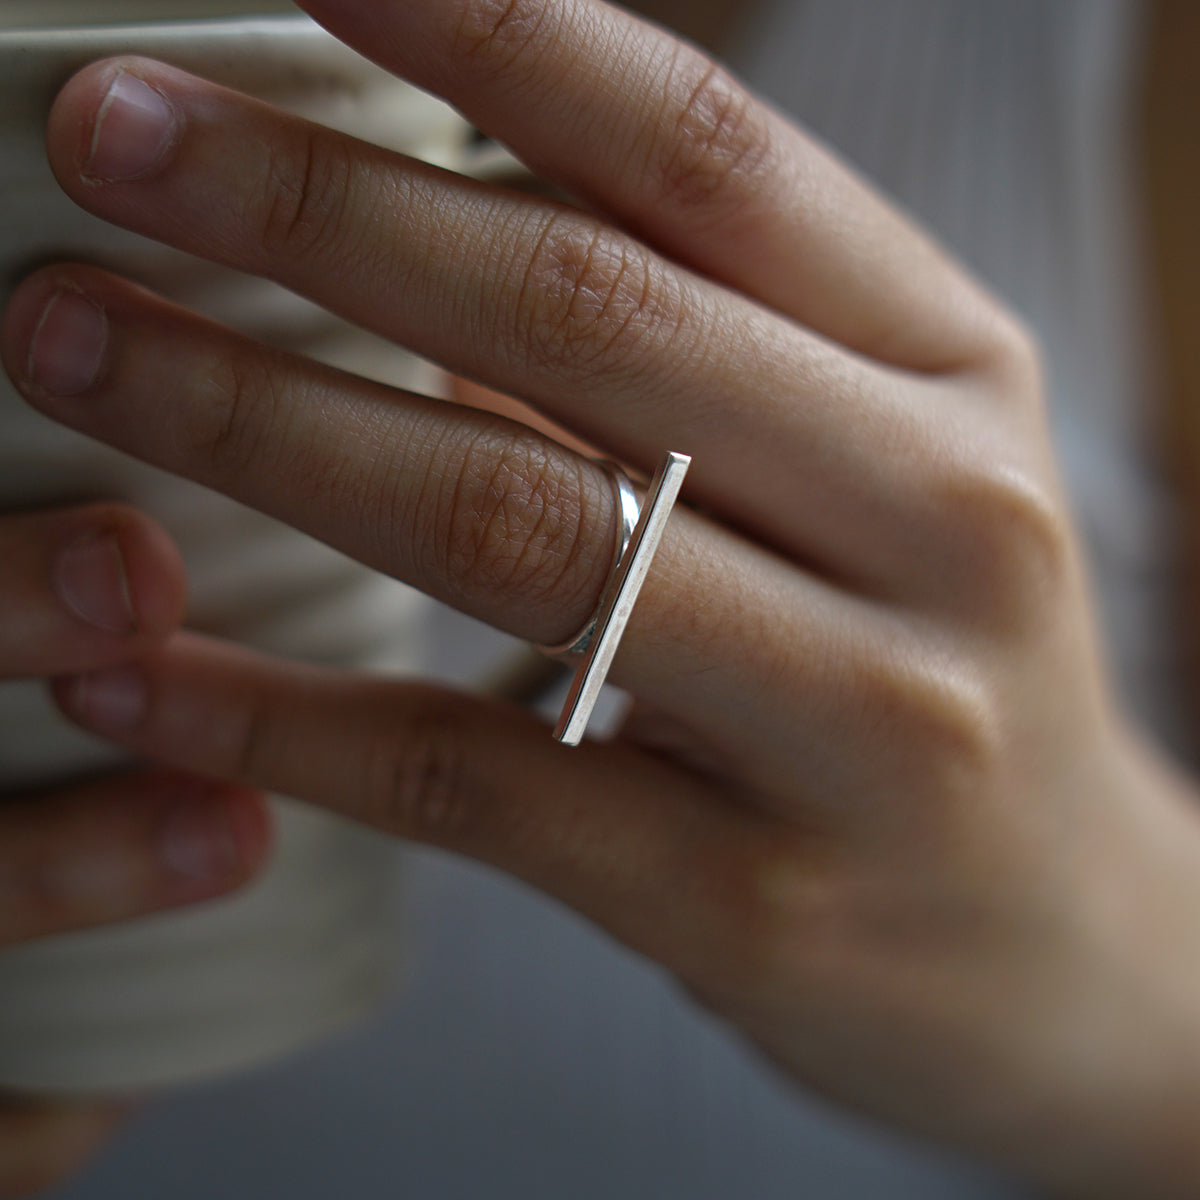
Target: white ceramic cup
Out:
[311,946]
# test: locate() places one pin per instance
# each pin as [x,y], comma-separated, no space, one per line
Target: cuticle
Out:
[110,96]
[126,585]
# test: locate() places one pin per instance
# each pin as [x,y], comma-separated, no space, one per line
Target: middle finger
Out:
[534,299]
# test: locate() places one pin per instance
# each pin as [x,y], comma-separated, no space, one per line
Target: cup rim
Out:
[76,20]
[56,37]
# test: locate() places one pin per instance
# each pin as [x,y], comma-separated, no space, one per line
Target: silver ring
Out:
[620,596]
[628,510]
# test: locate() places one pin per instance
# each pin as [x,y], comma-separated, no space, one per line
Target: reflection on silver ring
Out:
[619,598]
[628,510]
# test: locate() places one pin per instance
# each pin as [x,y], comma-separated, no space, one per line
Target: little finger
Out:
[650,851]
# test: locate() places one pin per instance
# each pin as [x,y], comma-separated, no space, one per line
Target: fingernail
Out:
[135,128]
[68,345]
[112,701]
[90,579]
[199,842]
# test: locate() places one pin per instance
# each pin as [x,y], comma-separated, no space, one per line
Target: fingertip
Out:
[252,822]
[211,837]
[156,575]
[70,127]
[116,121]
[119,571]
[215,836]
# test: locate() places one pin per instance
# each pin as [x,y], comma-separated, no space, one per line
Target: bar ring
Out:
[620,595]
[628,511]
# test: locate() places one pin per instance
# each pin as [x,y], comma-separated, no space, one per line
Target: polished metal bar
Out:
[622,595]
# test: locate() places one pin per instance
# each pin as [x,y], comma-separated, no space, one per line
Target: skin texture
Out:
[875,805]
[88,588]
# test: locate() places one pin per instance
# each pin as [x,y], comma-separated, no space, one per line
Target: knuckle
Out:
[1016,537]
[790,910]
[240,407]
[1015,354]
[421,783]
[513,526]
[936,716]
[588,295]
[957,726]
[786,908]
[717,142]
[497,36]
[305,197]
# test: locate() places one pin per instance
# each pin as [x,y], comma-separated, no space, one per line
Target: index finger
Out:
[652,131]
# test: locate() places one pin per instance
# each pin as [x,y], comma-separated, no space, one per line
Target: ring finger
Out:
[471,508]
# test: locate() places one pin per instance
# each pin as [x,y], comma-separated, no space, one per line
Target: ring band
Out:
[628,511]
[619,598]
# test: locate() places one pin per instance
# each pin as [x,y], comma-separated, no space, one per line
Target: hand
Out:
[83,589]
[874,805]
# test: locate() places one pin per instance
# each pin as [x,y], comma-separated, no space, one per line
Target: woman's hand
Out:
[873,805]
[84,589]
